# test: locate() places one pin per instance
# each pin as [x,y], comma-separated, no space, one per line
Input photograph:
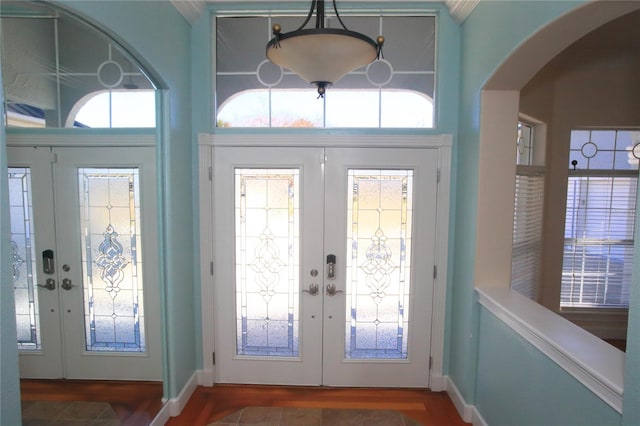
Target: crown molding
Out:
[461,9]
[192,9]
[189,9]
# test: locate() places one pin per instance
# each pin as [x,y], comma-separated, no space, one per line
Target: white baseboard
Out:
[468,412]
[174,406]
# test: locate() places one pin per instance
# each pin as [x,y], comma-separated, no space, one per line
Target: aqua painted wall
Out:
[519,385]
[504,377]
[10,413]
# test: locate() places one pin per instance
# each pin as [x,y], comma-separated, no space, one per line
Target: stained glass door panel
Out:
[109,291]
[268,231]
[378,322]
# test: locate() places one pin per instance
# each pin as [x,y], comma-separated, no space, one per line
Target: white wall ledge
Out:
[593,362]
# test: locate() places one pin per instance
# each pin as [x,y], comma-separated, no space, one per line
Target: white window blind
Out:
[527,230]
[598,249]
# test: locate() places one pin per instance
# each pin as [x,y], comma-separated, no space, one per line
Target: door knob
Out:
[313,289]
[49,284]
[66,284]
[331,290]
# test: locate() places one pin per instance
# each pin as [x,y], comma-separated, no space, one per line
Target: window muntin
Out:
[377,95]
[600,218]
[51,61]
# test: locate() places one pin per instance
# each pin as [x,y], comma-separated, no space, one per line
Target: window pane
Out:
[378,263]
[111,259]
[242,70]
[23,259]
[267,261]
[599,231]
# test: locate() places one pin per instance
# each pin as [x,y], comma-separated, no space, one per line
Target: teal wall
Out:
[9,378]
[504,377]
[519,385]
[492,31]
[158,36]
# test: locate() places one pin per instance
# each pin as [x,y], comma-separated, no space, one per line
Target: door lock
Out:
[49,284]
[66,284]
[331,267]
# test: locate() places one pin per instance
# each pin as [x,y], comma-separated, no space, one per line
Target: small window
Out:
[600,219]
[395,91]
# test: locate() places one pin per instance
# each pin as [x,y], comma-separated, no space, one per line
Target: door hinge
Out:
[435,272]
[438,176]
[213,358]
[211,268]
[53,157]
[210,174]
[430,362]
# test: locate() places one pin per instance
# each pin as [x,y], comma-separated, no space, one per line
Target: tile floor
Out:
[68,413]
[287,416]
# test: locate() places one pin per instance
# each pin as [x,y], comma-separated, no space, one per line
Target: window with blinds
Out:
[527,230]
[600,219]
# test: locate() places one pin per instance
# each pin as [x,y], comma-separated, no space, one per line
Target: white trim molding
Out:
[593,362]
[443,143]
[192,9]
[468,412]
[174,406]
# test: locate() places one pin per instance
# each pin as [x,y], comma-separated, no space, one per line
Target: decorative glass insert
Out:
[396,91]
[378,284]
[267,217]
[23,259]
[111,259]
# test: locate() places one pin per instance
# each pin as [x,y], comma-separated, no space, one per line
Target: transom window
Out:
[600,218]
[53,64]
[395,91]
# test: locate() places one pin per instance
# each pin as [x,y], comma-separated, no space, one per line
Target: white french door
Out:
[84,242]
[324,265]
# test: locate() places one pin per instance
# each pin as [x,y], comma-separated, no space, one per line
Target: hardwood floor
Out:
[135,403]
[208,404]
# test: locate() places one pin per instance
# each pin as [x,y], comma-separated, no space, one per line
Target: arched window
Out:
[52,64]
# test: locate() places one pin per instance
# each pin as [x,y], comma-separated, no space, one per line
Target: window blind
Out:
[598,249]
[527,230]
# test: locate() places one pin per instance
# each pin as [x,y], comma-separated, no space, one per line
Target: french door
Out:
[324,265]
[84,249]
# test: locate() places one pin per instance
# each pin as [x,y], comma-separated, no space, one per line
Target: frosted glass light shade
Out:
[322,55]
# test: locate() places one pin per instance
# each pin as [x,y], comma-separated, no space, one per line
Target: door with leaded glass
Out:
[84,248]
[324,265]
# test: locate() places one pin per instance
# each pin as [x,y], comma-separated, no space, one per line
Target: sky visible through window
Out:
[341,108]
[119,109]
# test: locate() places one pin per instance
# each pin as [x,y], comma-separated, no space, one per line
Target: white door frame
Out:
[442,143]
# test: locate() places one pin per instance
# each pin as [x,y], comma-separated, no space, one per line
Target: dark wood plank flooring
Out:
[137,403]
[208,404]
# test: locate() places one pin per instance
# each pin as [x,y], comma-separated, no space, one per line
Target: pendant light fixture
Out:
[322,56]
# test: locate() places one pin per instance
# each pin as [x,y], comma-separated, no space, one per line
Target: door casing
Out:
[442,143]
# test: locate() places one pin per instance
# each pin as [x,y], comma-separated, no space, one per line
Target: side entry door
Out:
[84,239]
